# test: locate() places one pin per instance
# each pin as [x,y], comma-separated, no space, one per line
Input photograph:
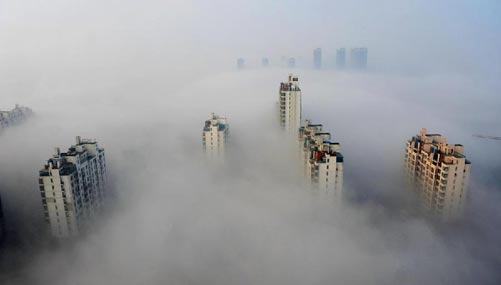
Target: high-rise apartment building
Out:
[359,58]
[15,116]
[322,159]
[439,172]
[240,63]
[265,62]
[317,58]
[341,58]
[215,136]
[290,105]
[306,132]
[291,62]
[72,186]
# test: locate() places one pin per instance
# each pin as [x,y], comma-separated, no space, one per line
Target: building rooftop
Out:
[215,121]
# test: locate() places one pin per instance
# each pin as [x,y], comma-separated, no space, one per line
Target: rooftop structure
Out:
[72,187]
[439,172]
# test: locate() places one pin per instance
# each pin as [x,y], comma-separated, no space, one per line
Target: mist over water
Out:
[142,78]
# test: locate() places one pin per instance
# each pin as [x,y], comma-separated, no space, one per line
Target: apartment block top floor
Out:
[319,143]
[65,162]
[309,129]
[215,121]
[291,85]
[17,111]
[359,49]
[321,153]
[435,146]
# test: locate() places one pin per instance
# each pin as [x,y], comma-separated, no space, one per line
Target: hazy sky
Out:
[142,76]
[402,35]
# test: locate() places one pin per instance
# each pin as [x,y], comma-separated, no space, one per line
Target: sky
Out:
[141,78]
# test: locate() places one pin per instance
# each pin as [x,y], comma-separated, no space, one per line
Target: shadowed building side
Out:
[2,222]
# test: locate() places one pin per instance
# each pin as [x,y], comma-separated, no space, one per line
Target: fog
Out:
[141,78]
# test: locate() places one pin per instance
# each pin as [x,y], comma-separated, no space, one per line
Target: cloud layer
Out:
[142,78]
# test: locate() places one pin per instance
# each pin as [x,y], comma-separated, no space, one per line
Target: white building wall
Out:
[72,187]
[290,105]
[215,136]
[323,160]
[439,172]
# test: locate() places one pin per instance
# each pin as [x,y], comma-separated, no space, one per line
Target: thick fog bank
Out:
[177,219]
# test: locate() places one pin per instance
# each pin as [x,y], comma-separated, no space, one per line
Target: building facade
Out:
[290,105]
[358,58]
[439,172]
[215,136]
[14,117]
[341,58]
[73,187]
[322,159]
[317,58]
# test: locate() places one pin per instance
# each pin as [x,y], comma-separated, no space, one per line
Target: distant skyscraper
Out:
[359,58]
[283,60]
[72,186]
[240,63]
[14,117]
[341,58]
[291,63]
[322,159]
[439,172]
[317,58]
[265,62]
[215,136]
[290,105]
